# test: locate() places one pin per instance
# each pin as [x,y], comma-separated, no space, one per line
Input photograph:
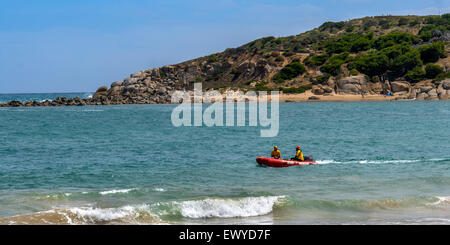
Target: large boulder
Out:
[116,84]
[432,92]
[101,93]
[317,90]
[446,84]
[442,93]
[15,103]
[422,96]
[400,86]
[102,89]
[327,89]
[412,94]
[425,89]
[376,88]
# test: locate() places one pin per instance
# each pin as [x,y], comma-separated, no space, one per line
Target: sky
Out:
[80,45]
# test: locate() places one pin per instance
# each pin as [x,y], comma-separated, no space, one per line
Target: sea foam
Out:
[116,191]
[228,208]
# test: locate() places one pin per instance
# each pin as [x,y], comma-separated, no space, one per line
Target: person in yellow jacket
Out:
[298,155]
[275,153]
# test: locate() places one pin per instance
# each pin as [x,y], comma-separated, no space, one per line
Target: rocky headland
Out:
[371,58]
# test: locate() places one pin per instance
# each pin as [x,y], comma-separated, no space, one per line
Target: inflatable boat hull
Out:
[282,163]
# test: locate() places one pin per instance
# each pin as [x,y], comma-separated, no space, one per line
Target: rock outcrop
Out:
[400,86]
[352,85]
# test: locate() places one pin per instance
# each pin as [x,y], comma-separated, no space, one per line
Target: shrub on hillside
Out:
[290,71]
[402,21]
[405,62]
[442,76]
[385,24]
[414,23]
[361,44]
[394,38]
[433,70]
[372,64]
[316,60]
[333,65]
[432,52]
[347,43]
[296,90]
[415,75]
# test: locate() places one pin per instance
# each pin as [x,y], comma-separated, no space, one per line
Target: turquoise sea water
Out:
[4,98]
[380,163]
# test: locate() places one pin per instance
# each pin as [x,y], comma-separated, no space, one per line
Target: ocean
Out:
[40,97]
[379,163]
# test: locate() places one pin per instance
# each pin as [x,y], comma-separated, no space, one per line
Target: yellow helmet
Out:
[275,147]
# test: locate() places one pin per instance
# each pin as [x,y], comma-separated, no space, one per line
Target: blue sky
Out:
[79,45]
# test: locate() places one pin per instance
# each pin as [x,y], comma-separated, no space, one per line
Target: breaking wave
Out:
[151,213]
[116,191]
[228,208]
[223,208]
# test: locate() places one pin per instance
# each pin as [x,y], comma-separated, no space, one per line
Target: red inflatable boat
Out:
[282,163]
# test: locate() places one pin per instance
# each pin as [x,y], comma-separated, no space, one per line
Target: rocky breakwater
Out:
[153,86]
[60,101]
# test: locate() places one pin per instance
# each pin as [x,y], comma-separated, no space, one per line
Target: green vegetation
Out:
[332,25]
[212,58]
[316,60]
[415,75]
[198,80]
[349,43]
[384,24]
[435,24]
[433,70]
[261,86]
[383,47]
[322,79]
[372,64]
[442,76]
[290,71]
[354,72]
[333,65]
[162,73]
[394,38]
[414,23]
[403,21]
[296,90]
[432,52]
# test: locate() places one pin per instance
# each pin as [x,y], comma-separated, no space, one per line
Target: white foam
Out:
[325,161]
[116,191]
[93,215]
[442,200]
[228,208]
[159,189]
[374,161]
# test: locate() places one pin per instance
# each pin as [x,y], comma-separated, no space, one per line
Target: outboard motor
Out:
[308,158]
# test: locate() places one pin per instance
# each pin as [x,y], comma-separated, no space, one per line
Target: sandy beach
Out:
[334,97]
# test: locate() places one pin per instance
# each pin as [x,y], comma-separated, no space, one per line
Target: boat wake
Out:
[381,161]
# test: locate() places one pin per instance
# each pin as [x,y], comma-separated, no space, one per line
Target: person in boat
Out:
[298,155]
[275,153]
